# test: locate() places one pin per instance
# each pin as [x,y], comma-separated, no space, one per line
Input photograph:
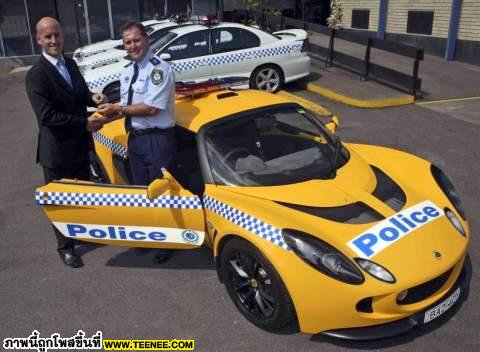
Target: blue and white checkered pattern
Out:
[246,221]
[189,65]
[236,57]
[103,81]
[116,200]
[116,148]
[99,63]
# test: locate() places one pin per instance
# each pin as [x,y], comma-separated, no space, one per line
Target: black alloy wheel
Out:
[255,287]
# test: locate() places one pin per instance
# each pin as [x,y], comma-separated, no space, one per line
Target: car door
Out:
[190,56]
[124,215]
[234,52]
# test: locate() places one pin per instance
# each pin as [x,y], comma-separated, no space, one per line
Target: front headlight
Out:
[455,221]
[322,256]
[376,270]
[447,188]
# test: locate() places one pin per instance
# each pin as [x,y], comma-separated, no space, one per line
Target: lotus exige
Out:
[355,241]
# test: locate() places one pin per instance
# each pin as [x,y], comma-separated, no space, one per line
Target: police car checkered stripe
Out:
[99,63]
[116,148]
[103,81]
[116,200]
[246,221]
[236,57]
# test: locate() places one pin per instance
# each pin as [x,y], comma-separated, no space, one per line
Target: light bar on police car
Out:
[190,89]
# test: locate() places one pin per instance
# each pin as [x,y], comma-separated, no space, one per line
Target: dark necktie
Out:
[128,119]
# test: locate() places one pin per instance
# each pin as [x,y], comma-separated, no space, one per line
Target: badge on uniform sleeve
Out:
[156,76]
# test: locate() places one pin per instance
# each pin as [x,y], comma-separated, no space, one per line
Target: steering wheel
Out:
[233,152]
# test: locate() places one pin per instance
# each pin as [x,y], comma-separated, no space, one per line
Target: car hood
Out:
[110,54]
[105,44]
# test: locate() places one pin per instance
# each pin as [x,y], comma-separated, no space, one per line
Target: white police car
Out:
[117,53]
[81,54]
[200,52]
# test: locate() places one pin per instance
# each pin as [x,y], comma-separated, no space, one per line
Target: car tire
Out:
[97,171]
[255,286]
[112,91]
[269,78]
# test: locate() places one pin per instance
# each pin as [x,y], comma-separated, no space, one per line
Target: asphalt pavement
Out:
[125,295]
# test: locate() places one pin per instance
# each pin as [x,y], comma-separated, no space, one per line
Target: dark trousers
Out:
[79,172]
[150,152]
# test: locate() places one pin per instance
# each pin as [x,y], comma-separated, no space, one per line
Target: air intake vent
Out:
[388,191]
[356,213]
[226,95]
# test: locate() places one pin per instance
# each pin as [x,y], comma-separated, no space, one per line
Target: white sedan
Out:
[86,51]
[200,52]
[113,55]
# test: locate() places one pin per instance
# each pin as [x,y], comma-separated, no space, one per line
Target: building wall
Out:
[469,28]
[372,5]
[398,15]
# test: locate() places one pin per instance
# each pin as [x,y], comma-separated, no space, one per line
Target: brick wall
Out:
[372,5]
[469,28]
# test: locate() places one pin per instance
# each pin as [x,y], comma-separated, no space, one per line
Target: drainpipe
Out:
[382,19]
[453,29]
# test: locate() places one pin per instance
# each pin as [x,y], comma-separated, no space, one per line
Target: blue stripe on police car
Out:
[392,229]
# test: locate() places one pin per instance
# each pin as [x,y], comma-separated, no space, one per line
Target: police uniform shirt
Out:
[155,86]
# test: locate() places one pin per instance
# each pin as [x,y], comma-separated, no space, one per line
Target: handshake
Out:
[106,113]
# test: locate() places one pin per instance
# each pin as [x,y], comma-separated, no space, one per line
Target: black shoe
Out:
[162,255]
[71,260]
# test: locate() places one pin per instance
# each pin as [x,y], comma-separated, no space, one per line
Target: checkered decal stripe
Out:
[246,221]
[116,200]
[109,144]
[99,63]
[103,81]
[229,58]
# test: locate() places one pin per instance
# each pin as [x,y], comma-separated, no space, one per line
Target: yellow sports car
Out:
[354,241]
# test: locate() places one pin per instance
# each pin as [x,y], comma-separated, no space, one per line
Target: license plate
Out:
[441,308]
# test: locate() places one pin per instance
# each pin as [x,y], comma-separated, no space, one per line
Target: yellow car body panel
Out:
[107,212]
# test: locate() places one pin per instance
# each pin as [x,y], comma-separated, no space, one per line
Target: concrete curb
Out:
[359,103]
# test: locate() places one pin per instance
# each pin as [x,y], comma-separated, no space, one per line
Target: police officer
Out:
[147,90]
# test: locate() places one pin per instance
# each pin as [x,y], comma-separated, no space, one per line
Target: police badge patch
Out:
[156,76]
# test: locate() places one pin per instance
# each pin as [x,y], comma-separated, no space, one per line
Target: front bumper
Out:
[405,325]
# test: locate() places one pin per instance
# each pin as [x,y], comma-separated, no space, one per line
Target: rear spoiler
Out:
[297,34]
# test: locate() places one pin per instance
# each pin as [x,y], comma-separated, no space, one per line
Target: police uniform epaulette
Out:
[154,60]
[131,62]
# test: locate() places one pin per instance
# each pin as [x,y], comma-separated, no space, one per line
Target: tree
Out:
[334,21]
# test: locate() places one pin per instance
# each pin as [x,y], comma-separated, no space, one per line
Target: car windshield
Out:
[273,146]
[161,42]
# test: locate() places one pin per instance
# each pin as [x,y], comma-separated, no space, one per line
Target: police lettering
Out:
[114,233]
[390,230]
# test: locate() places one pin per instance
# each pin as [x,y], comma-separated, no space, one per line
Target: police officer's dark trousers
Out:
[149,151]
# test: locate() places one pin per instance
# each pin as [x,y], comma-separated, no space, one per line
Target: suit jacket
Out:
[61,111]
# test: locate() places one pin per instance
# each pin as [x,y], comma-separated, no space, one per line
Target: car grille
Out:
[425,290]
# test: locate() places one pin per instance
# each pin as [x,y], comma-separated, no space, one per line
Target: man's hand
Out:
[109,110]
[99,98]
[95,123]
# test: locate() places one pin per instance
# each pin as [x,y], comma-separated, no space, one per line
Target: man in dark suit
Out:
[59,97]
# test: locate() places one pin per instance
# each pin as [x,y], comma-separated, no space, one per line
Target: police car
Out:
[82,54]
[201,52]
[117,53]
[350,240]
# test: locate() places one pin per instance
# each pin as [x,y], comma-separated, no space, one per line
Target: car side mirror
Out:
[165,56]
[157,188]
[160,185]
[333,124]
